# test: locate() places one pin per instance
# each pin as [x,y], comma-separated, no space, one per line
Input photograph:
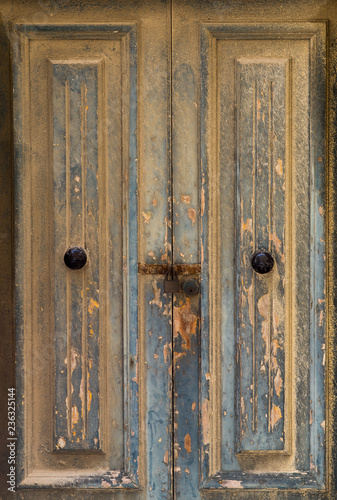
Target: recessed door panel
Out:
[267,135]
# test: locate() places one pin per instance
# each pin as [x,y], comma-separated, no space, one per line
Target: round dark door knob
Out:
[191,287]
[262,262]
[75,258]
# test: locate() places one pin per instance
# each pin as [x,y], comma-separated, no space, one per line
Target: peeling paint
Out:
[278,382]
[156,299]
[147,216]
[184,323]
[231,484]
[279,167]
[277,242]
[187,443]
[275,415]
[205,422]
[185,198]
[192,214]
[92,305]
[167,352]
[61,442]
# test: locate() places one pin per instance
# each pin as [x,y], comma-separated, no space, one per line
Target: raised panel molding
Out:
[263,336]
[75,90]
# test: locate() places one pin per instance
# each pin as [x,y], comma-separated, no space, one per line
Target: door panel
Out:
[261,180]
[80,132]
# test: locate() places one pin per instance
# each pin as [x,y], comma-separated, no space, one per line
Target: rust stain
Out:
[154,202]
[184,323]
[92,305]
[194,404]
[185,198]
[166,457]
[187,443]
[156,299]
[147,216]
[205,421]
[258,107]
[311,419]
[278,382]
[275,415]
[279,167]
[192,214]
[321,211]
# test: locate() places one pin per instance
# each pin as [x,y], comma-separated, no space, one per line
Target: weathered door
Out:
[177,146]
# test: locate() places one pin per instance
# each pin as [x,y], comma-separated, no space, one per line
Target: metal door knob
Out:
[262,262]
[191,287]
[75,258]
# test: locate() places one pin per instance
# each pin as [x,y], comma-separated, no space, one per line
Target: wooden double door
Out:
[181,147]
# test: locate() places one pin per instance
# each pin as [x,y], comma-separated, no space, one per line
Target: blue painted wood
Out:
[77,302]
[220,45]
[92,180]
[261,138]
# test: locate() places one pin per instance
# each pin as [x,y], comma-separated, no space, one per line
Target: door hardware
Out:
[191,286]
[262,262]
[75,258]
[171,285]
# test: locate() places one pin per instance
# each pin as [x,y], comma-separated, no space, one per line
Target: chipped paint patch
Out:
[147,216]
[192,214]
[165,459]
[92,305]
[156,299]
[275,415]
[74,415]
[277,242]
[279,167]
[184,323]
[231,484]
[206,422]
[187,443]
[105,484]
[263,307]
[61,442]
[278,382]
[185,198]
[167,352]
[247,226]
